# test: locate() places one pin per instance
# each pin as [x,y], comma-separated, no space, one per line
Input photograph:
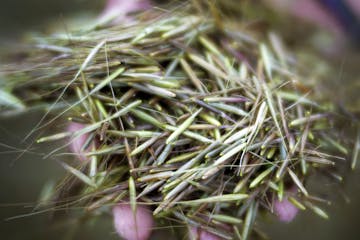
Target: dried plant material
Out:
[197,118]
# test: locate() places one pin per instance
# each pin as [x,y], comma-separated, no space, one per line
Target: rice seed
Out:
[54,137]
[109,150]
[106,81]
[216,199]
[199,157]
[81,176]
[190,134]
[236,99]
[241,184]
[156,176]
[210,119]
[147,118]
[160,91]
[261,177]
[144,146]
[226,219]
[280,192]
[182,157]
[230,109]
[296,203]
[317,210]
[207,43]
[7,99]
[297,182]
[262,112]
[132,193]
[133,133]
[214,167]
[308,119]
[285,161]
[90,57]
[289,96]
[207,66]
[179,130]
[239,135]
[192,75]
[267,59]
[248,222]
[319,160]
[337,145]
[202,127]
[215,152]
[236,148]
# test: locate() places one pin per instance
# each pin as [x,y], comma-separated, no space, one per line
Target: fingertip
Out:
[77,143]
[196,233]
[130,225]
[285,210]
[122,8]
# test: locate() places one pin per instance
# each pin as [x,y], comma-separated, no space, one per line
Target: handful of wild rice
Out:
[200,120]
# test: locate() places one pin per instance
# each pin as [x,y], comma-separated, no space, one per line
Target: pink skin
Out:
[122,8]
[355,5]
[199,234]
[77,143]
[307,10]
[310,11]
[130,225]
[314,13]
[285,210]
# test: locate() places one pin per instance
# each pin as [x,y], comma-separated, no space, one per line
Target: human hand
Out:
[120,10]
[340,17]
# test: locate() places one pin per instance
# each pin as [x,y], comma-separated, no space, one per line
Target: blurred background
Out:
[24,173]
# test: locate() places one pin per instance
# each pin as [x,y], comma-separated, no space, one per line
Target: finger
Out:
[120,9]
[199,234]
[355,6]
[307,10]
[284,209]
[133,225]
[345,15]
[77,143]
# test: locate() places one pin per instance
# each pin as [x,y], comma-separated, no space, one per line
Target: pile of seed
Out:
[202,121]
